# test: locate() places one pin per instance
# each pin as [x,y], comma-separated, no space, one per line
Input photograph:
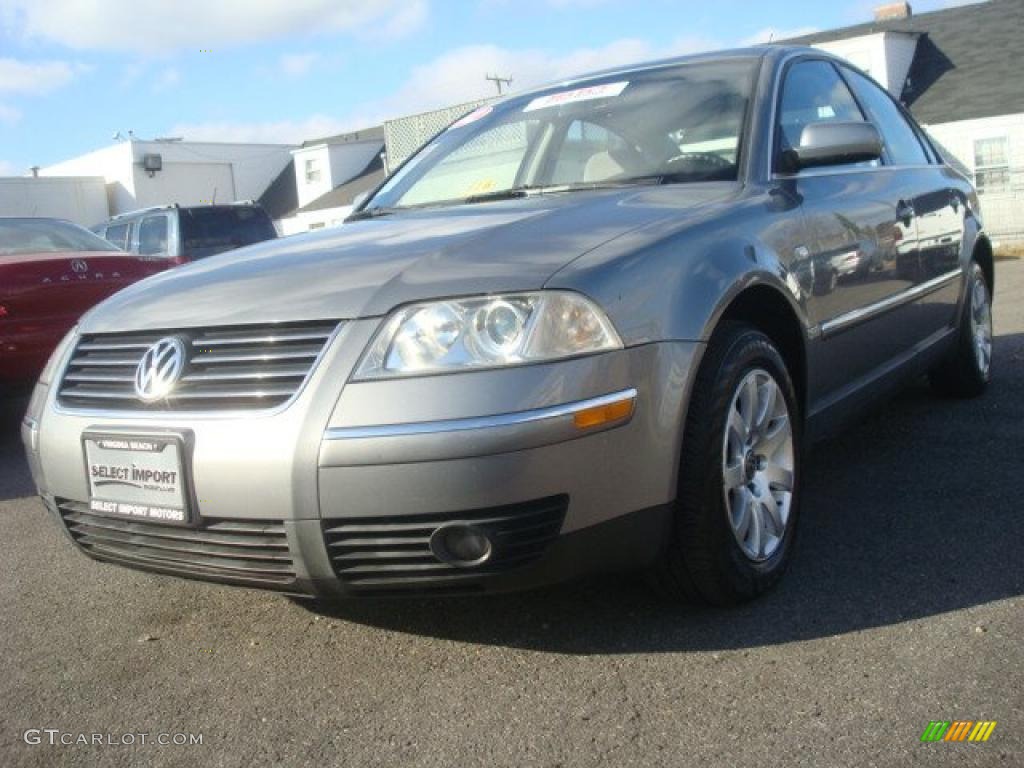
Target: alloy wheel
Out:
[981,324]
[758,465]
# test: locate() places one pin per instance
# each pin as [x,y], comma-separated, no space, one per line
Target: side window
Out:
[901,142]
[153,236]
[118,235]
[312,171]
[813,93]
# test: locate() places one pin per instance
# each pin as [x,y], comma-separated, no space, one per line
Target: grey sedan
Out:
[593,326]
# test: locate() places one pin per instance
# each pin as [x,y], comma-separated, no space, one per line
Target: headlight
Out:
[50,369]
[487,332]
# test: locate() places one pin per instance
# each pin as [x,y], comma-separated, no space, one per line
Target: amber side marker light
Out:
[604,414]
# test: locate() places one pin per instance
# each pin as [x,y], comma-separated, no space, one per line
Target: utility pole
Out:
[498,80]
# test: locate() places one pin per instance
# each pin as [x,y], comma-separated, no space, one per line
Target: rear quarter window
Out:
[118,235]
[901,140]
[205,231]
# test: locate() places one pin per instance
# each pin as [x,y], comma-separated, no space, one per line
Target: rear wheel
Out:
[968,368]
[736,509]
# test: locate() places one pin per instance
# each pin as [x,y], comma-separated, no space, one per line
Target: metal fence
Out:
[403,136]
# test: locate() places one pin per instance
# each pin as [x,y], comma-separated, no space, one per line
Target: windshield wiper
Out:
[512,193]
[370,213]
[529,190]
[504,194]
[682,177]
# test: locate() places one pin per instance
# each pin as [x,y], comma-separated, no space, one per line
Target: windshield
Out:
[19,236]
[678,124]
[206,231]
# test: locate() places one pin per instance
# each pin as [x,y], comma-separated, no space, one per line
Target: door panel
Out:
[859,263]
[939,206]
[928,197]
[862,232]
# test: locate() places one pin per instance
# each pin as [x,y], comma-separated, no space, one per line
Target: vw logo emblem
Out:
[159,369]
[79,266]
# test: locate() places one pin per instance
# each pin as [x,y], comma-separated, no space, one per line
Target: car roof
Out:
[176,207]
[749,52]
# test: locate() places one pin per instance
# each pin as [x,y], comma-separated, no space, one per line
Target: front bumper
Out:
[338,494]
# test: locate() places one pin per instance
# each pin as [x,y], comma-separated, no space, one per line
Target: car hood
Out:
[366,268]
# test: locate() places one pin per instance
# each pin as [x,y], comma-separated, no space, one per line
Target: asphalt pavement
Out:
[904,604]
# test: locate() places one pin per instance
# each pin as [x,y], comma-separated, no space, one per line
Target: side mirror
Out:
[833,143]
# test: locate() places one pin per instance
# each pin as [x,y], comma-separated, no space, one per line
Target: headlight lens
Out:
[487,332]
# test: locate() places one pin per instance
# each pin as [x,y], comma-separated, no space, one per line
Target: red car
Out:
[51,272]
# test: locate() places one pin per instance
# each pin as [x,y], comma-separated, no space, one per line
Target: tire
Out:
[707,558]
[967,370]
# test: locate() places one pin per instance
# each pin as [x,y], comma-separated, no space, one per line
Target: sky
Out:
[73,72]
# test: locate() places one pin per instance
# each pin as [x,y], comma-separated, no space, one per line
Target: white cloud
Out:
[297,64]
[451,78]
[9,115]
[168,77]
[9,169]
[458,75]
[409,17]
[273,131]
[35,77]
[154,25]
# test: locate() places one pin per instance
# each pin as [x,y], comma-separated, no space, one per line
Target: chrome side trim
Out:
[481,422]
[842,322]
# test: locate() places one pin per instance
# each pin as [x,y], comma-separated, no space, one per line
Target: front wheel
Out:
[736,508]
[968,368]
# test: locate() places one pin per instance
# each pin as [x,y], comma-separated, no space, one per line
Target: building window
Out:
[992,165]
[312,171]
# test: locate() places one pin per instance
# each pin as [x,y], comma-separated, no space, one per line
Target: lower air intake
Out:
[386,554]
[251,553]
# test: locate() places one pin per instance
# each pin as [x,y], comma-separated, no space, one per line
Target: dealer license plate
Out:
[136,476]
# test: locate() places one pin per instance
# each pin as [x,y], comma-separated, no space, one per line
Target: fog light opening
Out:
[463,546]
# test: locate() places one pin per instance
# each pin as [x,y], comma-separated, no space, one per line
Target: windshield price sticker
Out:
[579,94]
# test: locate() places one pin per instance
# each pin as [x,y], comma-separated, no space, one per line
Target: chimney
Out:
[893,11]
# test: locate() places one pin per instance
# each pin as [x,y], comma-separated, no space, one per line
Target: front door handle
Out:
[905,212]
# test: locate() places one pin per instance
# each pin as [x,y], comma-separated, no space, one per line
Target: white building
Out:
[958,71]
[81,199]
[329,173]
[138,174]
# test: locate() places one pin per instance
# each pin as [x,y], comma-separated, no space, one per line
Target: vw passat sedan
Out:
[591,326]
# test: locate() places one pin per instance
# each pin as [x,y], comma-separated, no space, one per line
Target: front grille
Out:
[237,367]
[393,553]
[245,552]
